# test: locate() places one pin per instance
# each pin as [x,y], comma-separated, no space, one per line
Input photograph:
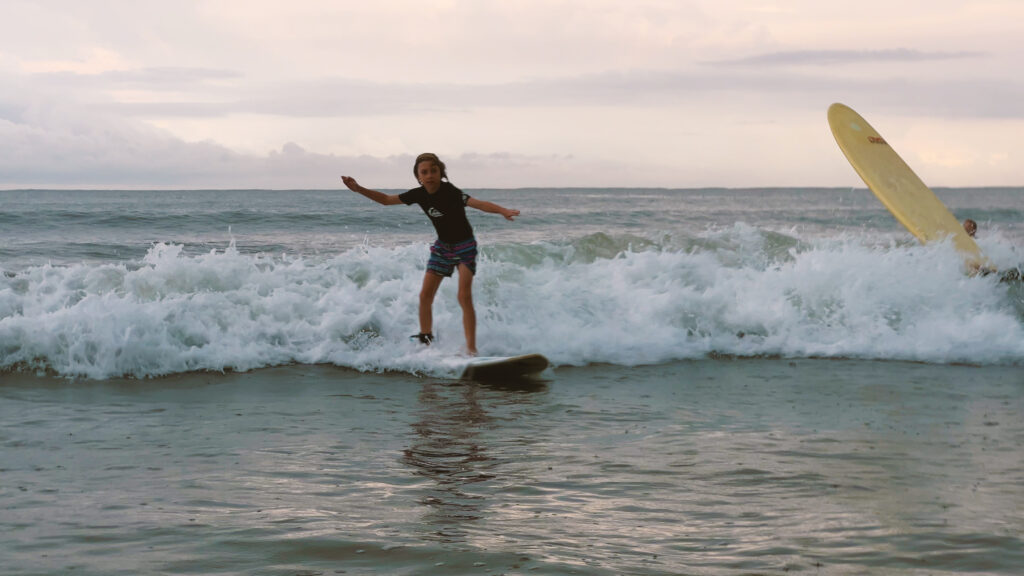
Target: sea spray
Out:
[619,299]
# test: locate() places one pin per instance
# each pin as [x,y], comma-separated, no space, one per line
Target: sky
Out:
[511,93]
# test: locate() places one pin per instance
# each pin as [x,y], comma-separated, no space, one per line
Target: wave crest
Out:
[601,298]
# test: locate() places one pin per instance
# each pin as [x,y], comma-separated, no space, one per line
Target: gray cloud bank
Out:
[778,76]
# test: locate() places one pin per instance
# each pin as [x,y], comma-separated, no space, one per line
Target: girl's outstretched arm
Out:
[492,208]
[378,197]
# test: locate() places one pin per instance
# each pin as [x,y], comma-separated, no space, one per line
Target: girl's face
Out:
[429,175]
[971,227]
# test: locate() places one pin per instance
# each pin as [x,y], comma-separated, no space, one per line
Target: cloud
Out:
[168,75]
[155,77]
[833,57]
[166,82]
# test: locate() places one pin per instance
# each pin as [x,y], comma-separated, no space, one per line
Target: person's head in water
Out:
[424,168]
[971,227]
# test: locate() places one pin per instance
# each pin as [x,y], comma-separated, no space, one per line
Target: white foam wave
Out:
[733,292]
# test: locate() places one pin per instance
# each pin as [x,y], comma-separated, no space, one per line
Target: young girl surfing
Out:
[455,247]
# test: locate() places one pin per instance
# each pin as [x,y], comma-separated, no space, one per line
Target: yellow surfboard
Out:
[896,185]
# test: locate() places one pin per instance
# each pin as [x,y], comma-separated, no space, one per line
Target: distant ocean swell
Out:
[621,299]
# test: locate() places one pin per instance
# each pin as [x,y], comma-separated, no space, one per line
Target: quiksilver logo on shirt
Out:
[435,213]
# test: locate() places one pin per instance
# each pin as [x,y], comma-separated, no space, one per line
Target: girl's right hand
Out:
[351,183]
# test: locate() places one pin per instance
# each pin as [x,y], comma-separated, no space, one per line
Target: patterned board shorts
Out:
[445,257]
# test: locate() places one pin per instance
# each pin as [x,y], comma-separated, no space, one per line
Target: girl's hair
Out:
[429,157]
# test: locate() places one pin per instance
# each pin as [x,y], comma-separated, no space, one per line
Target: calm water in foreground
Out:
[697,467]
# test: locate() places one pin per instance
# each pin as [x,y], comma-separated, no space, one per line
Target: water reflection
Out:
[454,446]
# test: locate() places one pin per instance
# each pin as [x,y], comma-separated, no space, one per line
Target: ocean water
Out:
[754,381]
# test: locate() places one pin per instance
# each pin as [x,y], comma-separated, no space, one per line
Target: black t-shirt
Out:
[446,209]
